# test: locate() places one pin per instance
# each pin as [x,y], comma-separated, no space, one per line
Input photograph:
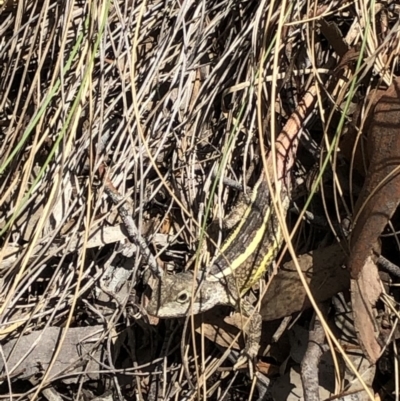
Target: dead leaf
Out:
[334,36]
[375,206]
[365,291]
[286,295]
[324,273]
[31,354]
[267,369]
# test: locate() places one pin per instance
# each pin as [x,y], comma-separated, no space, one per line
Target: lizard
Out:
[248,251]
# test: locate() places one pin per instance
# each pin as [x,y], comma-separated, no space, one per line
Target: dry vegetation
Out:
[166,102]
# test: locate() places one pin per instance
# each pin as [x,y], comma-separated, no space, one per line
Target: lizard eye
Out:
[182,297]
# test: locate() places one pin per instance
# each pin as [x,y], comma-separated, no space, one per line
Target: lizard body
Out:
[244,257]
[248,251]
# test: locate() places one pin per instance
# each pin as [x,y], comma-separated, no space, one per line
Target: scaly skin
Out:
[249,250]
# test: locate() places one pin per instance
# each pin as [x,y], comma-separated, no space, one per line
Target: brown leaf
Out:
[324,274]
[375,206]
[286,295]
[267,368]
[365,291]
[334,37]
[351,145]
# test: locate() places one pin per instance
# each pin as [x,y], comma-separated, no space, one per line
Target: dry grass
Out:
[172,97]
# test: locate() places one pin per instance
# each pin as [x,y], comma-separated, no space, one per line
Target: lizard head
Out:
[178,296]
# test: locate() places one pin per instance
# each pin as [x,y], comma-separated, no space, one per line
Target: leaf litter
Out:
[155,99]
